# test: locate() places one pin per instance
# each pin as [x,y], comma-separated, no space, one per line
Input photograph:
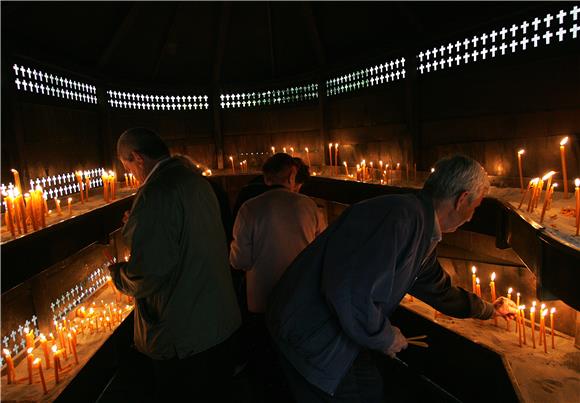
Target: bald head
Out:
[143,141]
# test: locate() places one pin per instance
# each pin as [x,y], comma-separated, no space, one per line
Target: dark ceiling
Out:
[232,43]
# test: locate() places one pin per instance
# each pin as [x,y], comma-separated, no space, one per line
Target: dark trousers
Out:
[362,384]
[203,377]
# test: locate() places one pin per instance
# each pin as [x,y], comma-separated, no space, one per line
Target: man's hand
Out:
[505,308]
[399,343]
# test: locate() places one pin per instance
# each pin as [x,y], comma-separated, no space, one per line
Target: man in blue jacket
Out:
[334,301]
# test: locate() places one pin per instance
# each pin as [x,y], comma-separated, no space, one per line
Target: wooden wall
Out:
[486,110]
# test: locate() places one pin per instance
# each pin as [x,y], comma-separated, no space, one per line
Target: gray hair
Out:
[141,140]
[455,175]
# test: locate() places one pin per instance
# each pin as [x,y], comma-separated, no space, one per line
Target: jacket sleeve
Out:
[358,277]
[241,248]
[152,230]
[433,286]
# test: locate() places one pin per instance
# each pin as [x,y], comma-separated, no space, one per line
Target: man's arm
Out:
[241,248]
[433,286]
[154,245]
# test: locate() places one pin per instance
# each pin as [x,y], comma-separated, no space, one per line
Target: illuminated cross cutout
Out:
[524,43]
[36,87]
[29,72]
[441,50]
[466,43]
[502,32]
[427,54]
[535,39]
[22,71]
[449,61]
[35,74]
[503,47]
[535,23]
[560,34]
[474,40]
[514,29]
[483,53]
[16,68]
[434,52]
[421,68]
[449,48]
[13,335]
[493,49]
[25,85]
[435,64]
[17,82]
[492,36]
[548,19]
[574,12]
[475,54]
[547,36]
[403,74]
[574,31]
[66,82]
[458,60]
[513,45]
[428,65]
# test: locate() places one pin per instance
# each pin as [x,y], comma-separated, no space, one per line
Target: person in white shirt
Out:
[270,230]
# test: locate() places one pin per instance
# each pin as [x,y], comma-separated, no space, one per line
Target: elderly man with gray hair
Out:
[332,305]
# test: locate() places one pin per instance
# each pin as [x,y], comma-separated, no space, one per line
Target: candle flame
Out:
[54,348]
[522,307]
[432,170]
[329,145]
[535,181]
[344,163]
[564,141]
[533,303]
[70,336]
[29,350]
[36,362]
[577,182]
[544,312]
[533,309]
[25,330]
[231,158]
[493,276]
[6,352]
[555,185]
[543,306]
[510,290]
[306,149]
[548,175]
[477,280]
[336,145]
[521,151]
[553,310]
[473,269]
[42,337]
[518,294]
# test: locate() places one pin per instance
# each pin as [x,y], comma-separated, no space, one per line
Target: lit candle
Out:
[38,364]
[544,312]
[57,202]
[273,150]
[523,319]
[56,354]
[232,161]
[73,348]
[531,190]
[70,206]
[548,177]
[307,156]
[492,286]
[29,337]
[519,326]
[10,374]
[330,156]
[44,346]
[105,179]
[577,194]
[29,359]
[126,181]
[509,293]
[533,324]
[517,304]
[547,201]
[520,153]
[345,167]
[541,324]
[552,311]
[477,287]
[564,174]
[336,157]
[473,271]
[292,151]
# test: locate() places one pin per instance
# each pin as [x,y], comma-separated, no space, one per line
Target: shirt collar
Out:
[437,235]
[153,170]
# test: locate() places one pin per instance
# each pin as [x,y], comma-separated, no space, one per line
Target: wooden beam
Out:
[126,26]
[168,25]
[314,34]
[224,24]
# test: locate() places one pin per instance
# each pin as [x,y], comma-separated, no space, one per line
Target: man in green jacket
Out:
[178,273]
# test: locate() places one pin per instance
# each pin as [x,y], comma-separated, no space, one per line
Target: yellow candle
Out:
[57,202]
[547,201]
[577,194]
[29,337]
[564,174]
[70,206]
[543,325]
[552,311]
[273,150]
[10,374]
[473,271]
[477,287]
[38,364]
[336,157]
[126,180]
[105,179]
[73,348]
[56,354]
[44,346]
[520,153]
[292,151]
[29,359]
[330,156]
[307,156]
[533,324]
[523,319]
[232,161]
[492,286]
[345,167]
[519,327]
